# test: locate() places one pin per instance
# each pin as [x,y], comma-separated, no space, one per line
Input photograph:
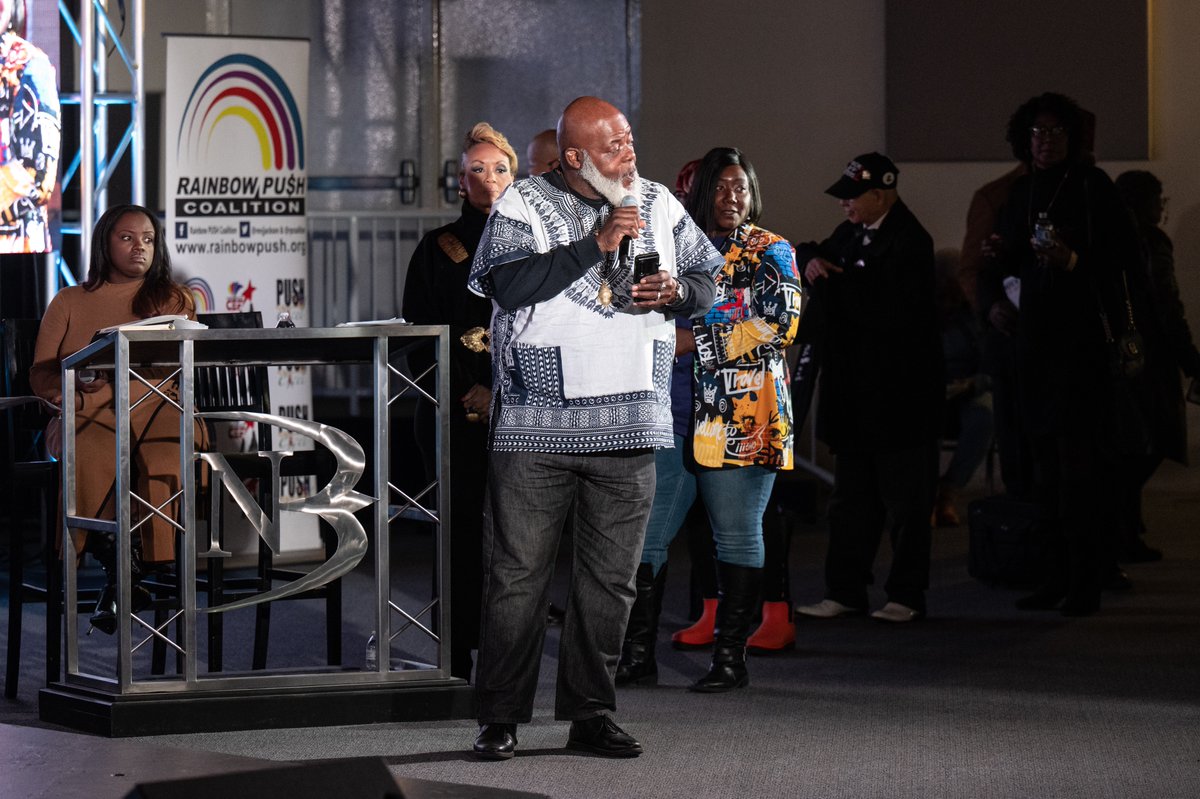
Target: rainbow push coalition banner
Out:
[235,192]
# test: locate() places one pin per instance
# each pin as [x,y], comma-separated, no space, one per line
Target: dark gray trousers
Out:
[871,492]
[530,496]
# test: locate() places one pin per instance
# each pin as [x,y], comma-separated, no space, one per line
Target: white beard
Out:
[612,190]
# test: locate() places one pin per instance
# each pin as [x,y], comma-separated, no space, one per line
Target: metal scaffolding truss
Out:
[93,164]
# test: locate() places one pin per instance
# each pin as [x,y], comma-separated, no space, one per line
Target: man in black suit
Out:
[873,318]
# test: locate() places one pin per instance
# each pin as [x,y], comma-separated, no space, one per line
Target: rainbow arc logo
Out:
[242,87]
[202,295]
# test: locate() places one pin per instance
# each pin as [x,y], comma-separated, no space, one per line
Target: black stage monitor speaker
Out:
[353,779]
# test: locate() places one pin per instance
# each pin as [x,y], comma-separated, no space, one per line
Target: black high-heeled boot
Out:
[740,587]
[104,617]
[103,548]
[638,665]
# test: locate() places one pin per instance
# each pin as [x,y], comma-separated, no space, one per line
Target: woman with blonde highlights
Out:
[435,293]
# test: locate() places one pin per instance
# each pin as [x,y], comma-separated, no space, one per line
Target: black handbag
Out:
[1126,426]
[1126,352]
[1007,540]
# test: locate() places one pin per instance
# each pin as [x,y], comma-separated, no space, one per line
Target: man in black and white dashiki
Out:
[581,362]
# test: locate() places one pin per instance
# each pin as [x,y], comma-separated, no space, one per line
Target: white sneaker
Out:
[895,613]
[827,609]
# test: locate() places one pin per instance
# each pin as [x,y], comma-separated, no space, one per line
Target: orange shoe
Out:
[945,515]
[944,512]
[700,634]
[776,633]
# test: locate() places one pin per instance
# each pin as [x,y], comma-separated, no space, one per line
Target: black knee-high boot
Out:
[638,665]
[103,547]
[740,587]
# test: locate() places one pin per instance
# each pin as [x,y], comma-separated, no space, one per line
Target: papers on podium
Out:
[395,320]
[164,322]
[12,402]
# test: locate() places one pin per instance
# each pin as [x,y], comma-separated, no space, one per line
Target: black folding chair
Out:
[27,469]
[243,388]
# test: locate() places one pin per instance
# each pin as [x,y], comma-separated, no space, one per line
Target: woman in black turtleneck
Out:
[435,293]
[1067,270]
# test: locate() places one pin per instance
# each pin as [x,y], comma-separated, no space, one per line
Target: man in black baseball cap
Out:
[866,191]
[872,319]
[868,171]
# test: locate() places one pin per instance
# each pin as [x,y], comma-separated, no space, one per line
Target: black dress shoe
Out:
[496,741]
[1041,599]
[601,735]
[1083,604]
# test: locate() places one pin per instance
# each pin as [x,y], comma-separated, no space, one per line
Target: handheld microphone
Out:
[623,251]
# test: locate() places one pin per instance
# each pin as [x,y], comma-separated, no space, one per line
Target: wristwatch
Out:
[680,294]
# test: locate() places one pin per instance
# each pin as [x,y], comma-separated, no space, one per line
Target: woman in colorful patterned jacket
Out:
[742,425]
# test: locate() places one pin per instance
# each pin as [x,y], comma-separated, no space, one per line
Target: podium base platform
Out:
[119,716]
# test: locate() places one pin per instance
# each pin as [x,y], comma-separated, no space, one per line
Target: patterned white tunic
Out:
[572,375]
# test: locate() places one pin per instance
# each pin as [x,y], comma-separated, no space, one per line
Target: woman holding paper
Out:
[129,278]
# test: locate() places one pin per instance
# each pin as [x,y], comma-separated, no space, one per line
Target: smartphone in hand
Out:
[645,265]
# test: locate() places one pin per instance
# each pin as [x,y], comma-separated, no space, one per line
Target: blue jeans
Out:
[530,495]
[974,437]
[735,500]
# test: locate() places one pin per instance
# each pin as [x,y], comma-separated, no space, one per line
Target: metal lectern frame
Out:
[128,353]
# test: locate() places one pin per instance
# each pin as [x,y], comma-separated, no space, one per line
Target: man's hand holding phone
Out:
[652,287]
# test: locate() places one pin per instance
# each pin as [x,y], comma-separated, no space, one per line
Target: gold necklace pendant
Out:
[604,295]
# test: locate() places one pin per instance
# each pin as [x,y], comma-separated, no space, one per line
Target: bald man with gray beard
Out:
[582,355]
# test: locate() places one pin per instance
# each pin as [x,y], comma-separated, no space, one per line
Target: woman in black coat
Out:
[435,293]
[1143,195]
[1065,236]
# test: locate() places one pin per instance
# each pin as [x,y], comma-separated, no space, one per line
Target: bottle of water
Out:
[1043,232]
[371,661]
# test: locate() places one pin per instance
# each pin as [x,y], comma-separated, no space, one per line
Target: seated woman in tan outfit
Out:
[129,278]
